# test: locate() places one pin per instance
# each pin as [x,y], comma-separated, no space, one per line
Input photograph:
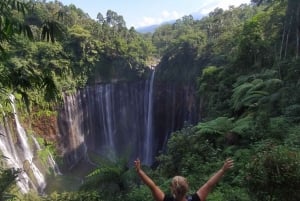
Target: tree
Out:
[100,18]
[252,47]
[115,21]
[10,24]
[290,39]
[256,95]
[7,180]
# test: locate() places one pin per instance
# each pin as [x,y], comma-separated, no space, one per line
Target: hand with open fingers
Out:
[137,164]
[228,164]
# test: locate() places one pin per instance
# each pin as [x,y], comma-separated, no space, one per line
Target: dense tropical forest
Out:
[244,63]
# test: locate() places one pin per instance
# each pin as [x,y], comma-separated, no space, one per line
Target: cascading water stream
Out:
[51,160]
[109,115]
[13,161]
[148,142]
[18,153]
[111,120]
[11,157]
[22,134]
[73,118]
[26,154]
[53,164]
[36,143]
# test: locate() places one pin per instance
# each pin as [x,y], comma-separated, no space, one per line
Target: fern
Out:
[108,173]
[253,98]
[256,93]
[238,94]
[243,125]
[217,126]
[273,85]
[105,174]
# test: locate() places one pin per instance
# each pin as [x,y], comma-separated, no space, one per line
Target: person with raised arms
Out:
[179,184]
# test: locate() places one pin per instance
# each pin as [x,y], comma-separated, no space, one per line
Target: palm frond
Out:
[25,99]
[51,89]
[9,25]
[51,29]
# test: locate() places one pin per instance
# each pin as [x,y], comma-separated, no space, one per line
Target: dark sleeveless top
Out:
[193,197]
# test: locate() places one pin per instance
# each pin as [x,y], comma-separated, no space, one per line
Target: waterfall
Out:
[19,153]
[108,117]
[70,124]
[26,153]
[53,164]
[36,143]
[12,161]
[148,144]
[111,120]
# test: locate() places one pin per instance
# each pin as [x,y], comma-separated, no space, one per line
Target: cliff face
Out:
[45,126]
[175,106]
[117,119]
[109,120]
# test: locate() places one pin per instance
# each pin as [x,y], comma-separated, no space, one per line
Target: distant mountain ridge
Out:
[148,29]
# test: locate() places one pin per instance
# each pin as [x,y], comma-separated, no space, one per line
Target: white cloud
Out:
[165,14]
[206,7]
[224,4]
[147,21]
[163,17]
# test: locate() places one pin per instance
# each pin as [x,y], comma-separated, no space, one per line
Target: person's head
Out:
[179,187]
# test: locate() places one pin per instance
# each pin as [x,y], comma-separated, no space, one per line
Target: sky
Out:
[141,13]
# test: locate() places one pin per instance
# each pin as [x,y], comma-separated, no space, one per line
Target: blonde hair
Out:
[179,187]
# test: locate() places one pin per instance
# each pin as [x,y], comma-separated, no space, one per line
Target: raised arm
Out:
[207,187]
[157,193]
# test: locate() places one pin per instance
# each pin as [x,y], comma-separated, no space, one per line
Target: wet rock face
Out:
[174,107]
[108,119]
[116,116]
[46,127]
[130,118]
